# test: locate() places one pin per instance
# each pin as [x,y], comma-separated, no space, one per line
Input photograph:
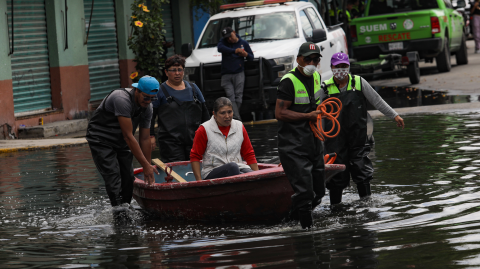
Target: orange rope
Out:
[335,106]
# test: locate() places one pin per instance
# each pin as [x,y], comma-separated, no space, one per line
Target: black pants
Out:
[116,168]
[227,170]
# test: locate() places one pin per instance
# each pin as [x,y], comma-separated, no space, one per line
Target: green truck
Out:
[432,29]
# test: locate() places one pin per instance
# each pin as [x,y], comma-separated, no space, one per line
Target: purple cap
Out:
[340,58]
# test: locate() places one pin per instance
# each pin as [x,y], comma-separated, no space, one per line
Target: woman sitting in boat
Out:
[223,144]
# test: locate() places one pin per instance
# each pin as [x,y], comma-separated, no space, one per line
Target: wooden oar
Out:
[162,166]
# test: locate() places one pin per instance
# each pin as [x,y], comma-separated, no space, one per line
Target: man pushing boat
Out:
[110,135]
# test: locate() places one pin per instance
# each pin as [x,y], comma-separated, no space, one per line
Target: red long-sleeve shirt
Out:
[201,139]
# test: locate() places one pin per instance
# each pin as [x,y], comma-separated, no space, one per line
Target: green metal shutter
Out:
[168,26]
[102,48]
[30,66]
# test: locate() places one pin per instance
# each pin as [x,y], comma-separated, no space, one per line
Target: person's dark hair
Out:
[175,60]
[221,102]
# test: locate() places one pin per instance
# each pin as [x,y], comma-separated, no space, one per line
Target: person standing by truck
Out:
[234,52]
[301,153]
[351,145]
[475,12]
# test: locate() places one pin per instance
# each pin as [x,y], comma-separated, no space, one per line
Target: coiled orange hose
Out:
[335,106]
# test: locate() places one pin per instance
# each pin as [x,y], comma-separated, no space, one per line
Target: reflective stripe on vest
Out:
[332,88]
[301,94]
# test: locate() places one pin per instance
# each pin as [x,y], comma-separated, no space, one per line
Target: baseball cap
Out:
[308,48]
[226,32]
[340,58]
[147,84]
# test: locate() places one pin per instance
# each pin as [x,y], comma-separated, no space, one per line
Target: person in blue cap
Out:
[110,135]
[352,145]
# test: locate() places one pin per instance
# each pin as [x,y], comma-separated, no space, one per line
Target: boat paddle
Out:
[170,172]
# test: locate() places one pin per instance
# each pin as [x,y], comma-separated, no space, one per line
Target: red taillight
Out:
[435,25]
[353,33]
[405,60]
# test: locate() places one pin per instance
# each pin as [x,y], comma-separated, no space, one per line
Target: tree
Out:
[147,38]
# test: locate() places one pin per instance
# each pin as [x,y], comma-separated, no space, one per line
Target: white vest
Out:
[220,149]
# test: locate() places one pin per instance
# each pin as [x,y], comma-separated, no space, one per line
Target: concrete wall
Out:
[125,55]
[182,23]
[6,87]
[68,65]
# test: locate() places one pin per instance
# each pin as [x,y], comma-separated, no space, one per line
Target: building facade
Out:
[56,64]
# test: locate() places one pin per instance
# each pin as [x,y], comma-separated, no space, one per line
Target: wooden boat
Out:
[262,195]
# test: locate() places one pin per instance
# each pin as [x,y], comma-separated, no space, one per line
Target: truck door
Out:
[310,20]
[455,25]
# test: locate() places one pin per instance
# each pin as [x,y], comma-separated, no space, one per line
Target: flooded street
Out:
[424,212]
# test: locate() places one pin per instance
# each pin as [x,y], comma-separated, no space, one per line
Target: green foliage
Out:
[146,41]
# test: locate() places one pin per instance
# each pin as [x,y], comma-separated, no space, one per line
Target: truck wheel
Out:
[413,71]
[443,59]
[462,55]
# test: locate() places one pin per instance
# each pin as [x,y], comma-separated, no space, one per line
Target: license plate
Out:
[395,46]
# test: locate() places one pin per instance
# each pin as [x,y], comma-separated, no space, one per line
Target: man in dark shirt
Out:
[110,135]
[234,51]
[301,153]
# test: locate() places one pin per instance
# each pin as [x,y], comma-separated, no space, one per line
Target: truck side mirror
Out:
[186,50]
[319,35]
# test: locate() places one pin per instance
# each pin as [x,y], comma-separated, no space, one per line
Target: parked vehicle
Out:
[275,33]
[463,7]
[433,28]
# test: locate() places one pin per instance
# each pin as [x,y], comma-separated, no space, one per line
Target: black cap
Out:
[226,32]
[308,48]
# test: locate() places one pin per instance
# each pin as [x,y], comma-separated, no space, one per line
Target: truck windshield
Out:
[257,28]
[381,7]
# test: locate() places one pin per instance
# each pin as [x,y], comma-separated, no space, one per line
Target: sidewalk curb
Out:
[52,146]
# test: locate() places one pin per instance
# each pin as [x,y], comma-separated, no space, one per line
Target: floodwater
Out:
[424,212]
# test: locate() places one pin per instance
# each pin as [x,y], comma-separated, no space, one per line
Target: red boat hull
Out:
[262,195]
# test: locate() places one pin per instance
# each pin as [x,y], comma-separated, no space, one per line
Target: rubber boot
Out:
[364,190]
[335,196]
[236,111]
[306,219]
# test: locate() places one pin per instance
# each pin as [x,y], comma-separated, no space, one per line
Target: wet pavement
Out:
[424,212]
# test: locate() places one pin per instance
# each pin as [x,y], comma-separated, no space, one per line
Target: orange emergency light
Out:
[254,3]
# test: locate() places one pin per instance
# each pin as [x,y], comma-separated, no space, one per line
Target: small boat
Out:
[262,195]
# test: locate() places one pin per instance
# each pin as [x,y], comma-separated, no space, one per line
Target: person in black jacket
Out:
[234,51]
[181,109]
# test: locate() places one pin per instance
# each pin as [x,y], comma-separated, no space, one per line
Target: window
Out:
[258,28]
[448,4]
[306,25]
[380,7]
[314,17]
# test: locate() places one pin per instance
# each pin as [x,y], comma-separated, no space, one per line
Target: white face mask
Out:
[309,69]
[340,73]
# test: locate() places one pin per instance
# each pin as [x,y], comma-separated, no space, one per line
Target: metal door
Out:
[30,66]
[102,48]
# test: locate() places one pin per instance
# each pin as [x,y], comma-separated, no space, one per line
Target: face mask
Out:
[340,73]
[309,69]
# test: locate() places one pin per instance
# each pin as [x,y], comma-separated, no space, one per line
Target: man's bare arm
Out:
[284,114]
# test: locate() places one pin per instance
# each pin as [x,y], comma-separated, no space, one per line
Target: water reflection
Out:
[54,212]
[411,97]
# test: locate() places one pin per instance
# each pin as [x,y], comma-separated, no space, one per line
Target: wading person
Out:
[234,52]
[110,135]
[181,109]
[475,13]
[351,145]
[301,153]
[223,144]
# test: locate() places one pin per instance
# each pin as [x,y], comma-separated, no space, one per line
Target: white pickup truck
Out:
[275,33]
